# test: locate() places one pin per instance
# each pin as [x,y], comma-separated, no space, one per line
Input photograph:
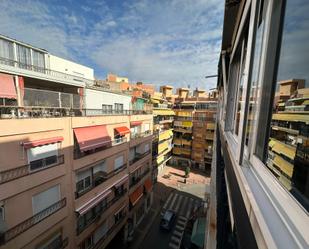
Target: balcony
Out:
[33,167]
[183,130]
[96,214]
[99,180]
[27,224]
[139,156]
[135,180]
[141,134]
[45,72]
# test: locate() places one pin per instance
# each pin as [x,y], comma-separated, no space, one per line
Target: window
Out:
[45,199]
[146,127]
[236,83]
[107,108]
[87,243]
[100,232]
[146,148]
[254,84]
[84,180]
[99,173]
[280,145]
[118,107]
[118,162]
[6,52]
[88,218]
[42,156]
[23,56]
[52,243]
[1,216]
[38,61]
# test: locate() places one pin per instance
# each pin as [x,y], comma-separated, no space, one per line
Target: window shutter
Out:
[45,199]
[41,152]
[118,162]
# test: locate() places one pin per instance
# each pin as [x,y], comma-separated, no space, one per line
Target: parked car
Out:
[168,219]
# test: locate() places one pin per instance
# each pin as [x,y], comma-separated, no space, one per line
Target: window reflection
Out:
[288,145]
[254,84]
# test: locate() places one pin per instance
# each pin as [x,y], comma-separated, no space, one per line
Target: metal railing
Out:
[12,174]
[103,178]
[27,224]
[135,180]
[9,112]
[139,156]
[97,216]
[46,71]
[140,134]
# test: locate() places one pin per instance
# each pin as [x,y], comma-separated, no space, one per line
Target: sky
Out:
[174,42]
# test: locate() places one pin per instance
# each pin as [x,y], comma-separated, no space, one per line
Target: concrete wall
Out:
[69,67]
[95,99]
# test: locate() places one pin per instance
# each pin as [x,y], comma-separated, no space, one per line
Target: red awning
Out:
[92,202]
[92,137]
[148,184]
[40,142]
[122,130]
[136,123]
[136,195]
[7,87]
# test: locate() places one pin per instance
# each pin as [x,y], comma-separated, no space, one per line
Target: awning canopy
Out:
[136,195]
[148,184]
[40,142]
[136,123]
[164,112]
[291,117]
[122,130]
[7,87]
[92,137]
[93,202]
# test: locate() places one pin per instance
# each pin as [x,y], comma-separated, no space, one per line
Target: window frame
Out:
[278,217]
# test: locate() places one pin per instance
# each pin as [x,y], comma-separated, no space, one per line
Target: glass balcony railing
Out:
[45,71]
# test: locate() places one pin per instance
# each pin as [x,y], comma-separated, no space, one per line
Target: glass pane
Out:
[240,104]
[288,144]
[254,84]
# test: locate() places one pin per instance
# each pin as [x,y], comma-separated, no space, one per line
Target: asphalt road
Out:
[183,204]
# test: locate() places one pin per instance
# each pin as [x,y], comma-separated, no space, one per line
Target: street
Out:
[182,198]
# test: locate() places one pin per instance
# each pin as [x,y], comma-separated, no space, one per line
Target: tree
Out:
[187,171]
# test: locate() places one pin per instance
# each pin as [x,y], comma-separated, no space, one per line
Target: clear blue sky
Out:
[173,42]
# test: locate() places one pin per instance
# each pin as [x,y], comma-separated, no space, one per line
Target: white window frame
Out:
[274,213]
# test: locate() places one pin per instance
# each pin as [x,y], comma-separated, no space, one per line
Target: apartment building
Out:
[194,126]
[259,187]
[75,160]
[163,117]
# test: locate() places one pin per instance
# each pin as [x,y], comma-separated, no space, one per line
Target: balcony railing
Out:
[8,112]
[135,180]
[139,156]
[96,216]
[27,224]
[45,71]
[59,243]
[12,174]
[99,180]
[141,134]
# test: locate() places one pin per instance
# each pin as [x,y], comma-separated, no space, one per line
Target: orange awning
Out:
[148,184]
[7,87]
[136,195]
[136,123]
[92,137]
[122,130]
[40,142]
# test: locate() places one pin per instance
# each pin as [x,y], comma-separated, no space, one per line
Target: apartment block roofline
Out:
[24,43]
